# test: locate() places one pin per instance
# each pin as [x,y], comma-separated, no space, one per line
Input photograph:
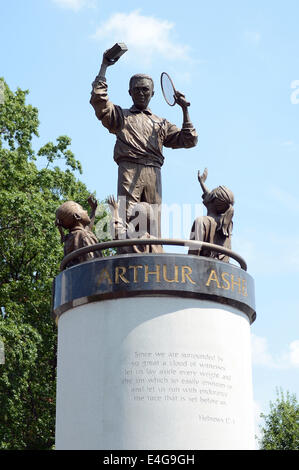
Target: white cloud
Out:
[74,5]
[261,355]
[146,36]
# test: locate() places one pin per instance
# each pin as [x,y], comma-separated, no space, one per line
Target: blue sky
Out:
[238,64]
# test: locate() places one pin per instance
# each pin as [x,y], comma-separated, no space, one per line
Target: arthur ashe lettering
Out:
[180,274]
[135,274]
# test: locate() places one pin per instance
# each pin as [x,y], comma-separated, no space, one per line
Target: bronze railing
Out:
[153,241]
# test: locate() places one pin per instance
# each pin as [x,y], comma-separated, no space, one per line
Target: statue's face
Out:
[141,92]
[84,217]
[80,216]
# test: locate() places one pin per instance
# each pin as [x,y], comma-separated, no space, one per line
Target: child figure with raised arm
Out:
[216,227]
[71,216]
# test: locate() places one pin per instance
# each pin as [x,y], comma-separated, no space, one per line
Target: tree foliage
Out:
[281,428]
[30,254]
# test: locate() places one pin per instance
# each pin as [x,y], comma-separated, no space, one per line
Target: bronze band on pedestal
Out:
[130,275]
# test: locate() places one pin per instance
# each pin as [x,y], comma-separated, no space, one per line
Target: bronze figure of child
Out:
[216,227]
[71,216]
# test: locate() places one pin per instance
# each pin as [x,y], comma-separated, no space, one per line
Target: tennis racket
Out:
[168,89]
[171,95]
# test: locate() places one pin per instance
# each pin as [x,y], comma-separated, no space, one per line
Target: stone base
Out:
[154,372]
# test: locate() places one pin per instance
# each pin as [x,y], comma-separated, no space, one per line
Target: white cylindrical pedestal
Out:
[154,372]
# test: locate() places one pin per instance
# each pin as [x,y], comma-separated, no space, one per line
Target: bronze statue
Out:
[216,227]
[71,216]
[142,224]
[140,137]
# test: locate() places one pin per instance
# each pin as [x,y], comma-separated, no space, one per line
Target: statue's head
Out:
[70,214]
[141,89]
[221,200]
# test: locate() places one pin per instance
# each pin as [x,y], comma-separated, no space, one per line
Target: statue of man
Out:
[140,137]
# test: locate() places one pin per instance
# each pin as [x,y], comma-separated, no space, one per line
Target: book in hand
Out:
[115,52]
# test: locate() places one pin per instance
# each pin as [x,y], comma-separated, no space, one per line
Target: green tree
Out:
[281,427]
[30,254]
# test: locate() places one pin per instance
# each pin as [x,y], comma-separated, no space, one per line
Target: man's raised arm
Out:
[106,112]
[105,63]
